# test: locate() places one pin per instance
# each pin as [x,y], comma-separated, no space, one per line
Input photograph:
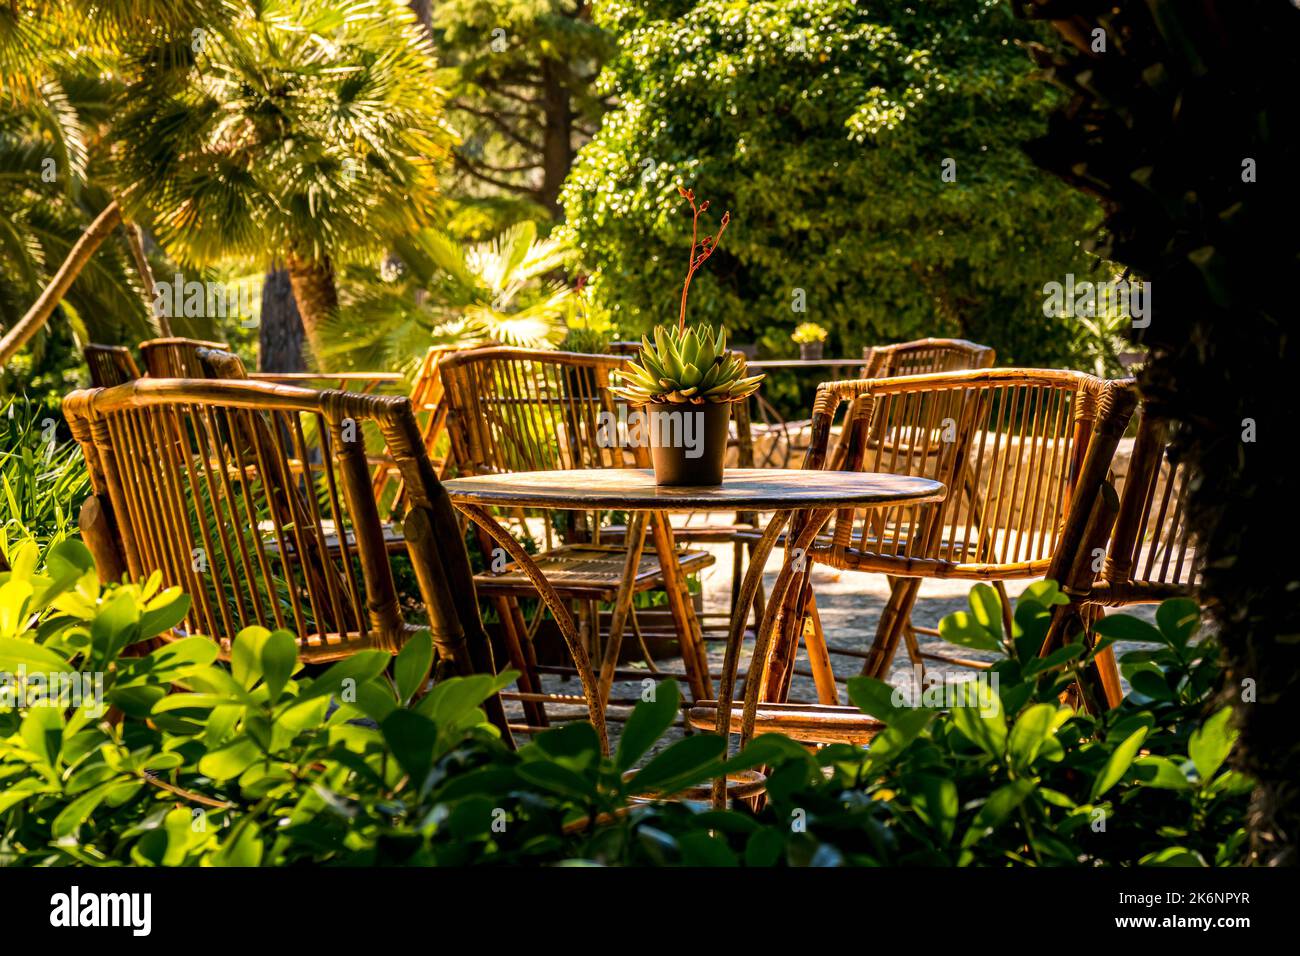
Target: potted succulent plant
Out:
[811,338]
[686,381]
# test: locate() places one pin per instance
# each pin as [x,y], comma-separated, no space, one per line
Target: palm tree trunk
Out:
[280,335]
[315,292]
[53,294]
[135,240]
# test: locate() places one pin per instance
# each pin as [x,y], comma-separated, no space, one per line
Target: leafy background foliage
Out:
[822,125]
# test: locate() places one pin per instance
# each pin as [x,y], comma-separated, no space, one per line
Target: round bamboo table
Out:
[803,499]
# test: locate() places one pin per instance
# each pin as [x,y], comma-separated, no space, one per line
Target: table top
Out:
[742,489]
[806,363]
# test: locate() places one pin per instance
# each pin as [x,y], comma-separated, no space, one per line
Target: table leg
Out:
[634,542]
[776,607]
[687,624]
[739,619]
[561,614]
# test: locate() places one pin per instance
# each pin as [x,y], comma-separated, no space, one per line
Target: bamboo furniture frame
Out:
[522,410]
[925,357]
[186,474]
[175,357]
[110,365]
[804,501]
[427,395]
[1142,531]
[1009,443]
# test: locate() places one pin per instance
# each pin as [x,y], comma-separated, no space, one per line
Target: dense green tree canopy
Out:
[826,128]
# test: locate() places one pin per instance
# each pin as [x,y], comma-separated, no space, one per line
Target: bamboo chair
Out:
[989,436]
[110,365]
[918,357]
[211,484]
[431,411]
[1142,531]
[511,410]
[176,357]
[925,357]
[1008,444]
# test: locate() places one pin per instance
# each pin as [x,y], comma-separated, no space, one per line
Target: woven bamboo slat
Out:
[520,410]
[1128,547]
[195,480]
[110,365]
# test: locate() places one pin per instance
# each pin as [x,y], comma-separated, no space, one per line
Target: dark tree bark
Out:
[1183,126]
[280,336]
[557,138]
[423,10]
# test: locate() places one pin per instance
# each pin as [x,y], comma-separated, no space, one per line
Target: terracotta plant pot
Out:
[688,447]
[810,351]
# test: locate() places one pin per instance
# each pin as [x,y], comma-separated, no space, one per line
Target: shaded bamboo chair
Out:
[918,357]
[110,365]
[226,489]
[511,410]
[1008,444]
[1128,547]
[925,357]
[176,357]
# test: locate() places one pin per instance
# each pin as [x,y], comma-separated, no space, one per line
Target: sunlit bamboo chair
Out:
[1008,444]
[228,490]
[512,410]
[110,365]
[918,357]
[431,412]
[175,357]
[1128,547]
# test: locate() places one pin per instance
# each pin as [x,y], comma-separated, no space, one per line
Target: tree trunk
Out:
[557,137]
[423,10]
[53,294]
[135,240]
[315,292]
[280,336]
[1173,164]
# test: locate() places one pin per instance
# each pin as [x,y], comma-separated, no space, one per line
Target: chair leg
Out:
[898,610]
[814,640]
[1107,668]
[510,616]
[694,655]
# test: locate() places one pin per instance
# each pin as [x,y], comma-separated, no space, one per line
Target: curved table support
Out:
[581,661]
[775,607]
[739,616]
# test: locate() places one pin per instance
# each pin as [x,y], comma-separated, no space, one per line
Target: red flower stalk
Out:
[701,250]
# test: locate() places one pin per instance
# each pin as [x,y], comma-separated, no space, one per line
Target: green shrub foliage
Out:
[170,757]
[870,155]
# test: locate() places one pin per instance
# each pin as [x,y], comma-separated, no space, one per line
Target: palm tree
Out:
[50,237]
[438,292]
[52,153]
[299,132]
